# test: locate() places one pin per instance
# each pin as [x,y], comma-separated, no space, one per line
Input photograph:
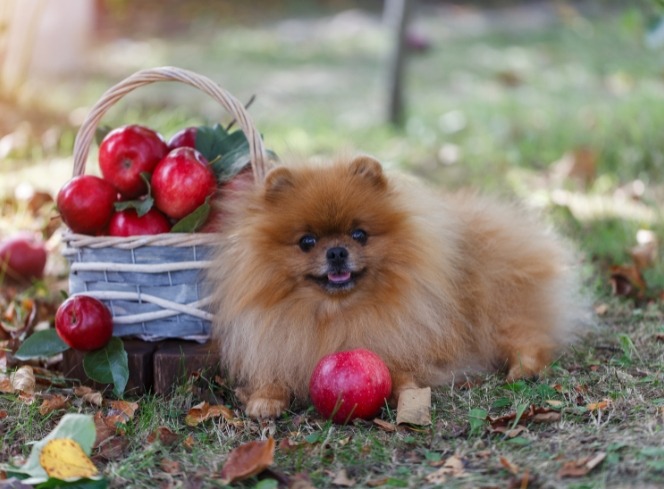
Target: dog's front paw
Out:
[267,403]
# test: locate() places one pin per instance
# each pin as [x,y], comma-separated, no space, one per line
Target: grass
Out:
[495,109]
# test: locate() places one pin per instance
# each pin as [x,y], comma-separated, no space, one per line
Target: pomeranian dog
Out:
[322,258]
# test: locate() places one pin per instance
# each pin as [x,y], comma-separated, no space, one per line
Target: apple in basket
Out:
[181,182]
[128,151]
[129,223]
[350,384]
[84,323]
[184,138]
[86,204]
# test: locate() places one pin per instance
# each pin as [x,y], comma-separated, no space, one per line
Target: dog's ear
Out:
[370,169]
[278,180]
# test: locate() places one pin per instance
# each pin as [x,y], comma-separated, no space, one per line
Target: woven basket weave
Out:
[152,284]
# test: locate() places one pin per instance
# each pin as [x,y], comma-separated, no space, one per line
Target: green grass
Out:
[584,82]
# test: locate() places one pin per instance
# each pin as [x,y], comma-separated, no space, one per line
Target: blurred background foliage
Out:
[555,102]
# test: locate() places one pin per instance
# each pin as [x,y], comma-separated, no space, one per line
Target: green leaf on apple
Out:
[209,141]
[232,162]
[194,221]
[109,365]
[143,205]
[44,344]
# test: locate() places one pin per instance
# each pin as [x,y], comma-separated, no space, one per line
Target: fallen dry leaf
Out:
[341,479]
[169,466]
[581,467]
[546,417]
[385,425]
[453,467]
[627,281]
[601,309]
[378,482]
[23,380]
[189,443]
[414,407]
[579,164]
[63,458]
[595,406]
[53,403]
[164,435]
[3,414]
[120,413]
[104,431]
[513,468]
[113,448]
[6,386]
[248,460]
[504,424]
[204,411]
[88,395]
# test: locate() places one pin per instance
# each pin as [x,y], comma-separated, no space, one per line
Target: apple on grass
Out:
[22,258]
[84,323]
[350,384]
[86,204]
[128,151]
[181,182]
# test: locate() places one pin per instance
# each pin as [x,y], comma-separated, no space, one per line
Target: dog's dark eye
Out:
[359,235]
[307,242]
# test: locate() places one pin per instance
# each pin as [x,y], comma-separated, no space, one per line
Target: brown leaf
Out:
[6,386]
[204,411]
[23,380]
[341,479]
[3,414]
[378,482]
[189,443]
[121,412]
[513,468]
[164,435]
[627,281]
[595,406]
[104,431]
[248,460]
[601,309]
[169,466]
[88,395]
[385,425]
[579,164]
[414,407]
[52,403]
[113,448]
[547,417]
[581,467]
[453,467]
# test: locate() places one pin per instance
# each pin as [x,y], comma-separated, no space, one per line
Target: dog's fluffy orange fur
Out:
[437,286]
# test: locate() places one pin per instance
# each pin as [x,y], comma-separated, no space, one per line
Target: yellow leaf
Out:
[63,458]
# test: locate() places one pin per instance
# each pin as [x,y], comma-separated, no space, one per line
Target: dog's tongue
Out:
[338,278]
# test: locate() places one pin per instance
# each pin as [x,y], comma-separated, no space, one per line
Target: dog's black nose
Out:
[337,255]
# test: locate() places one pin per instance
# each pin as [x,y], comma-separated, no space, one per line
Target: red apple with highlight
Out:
[350,384]
[84,323]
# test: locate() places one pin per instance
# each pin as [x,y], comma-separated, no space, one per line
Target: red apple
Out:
[128,151]
[86,204]
[184,138]
[181,182]
[84,323]
[22,258]
[350,384]
[127,223]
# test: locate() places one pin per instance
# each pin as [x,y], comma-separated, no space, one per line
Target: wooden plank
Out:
[175,361]
[140,359]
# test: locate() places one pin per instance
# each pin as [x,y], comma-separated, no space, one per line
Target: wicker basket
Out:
[152,284]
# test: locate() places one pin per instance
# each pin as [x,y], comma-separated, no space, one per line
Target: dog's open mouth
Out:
[337,280]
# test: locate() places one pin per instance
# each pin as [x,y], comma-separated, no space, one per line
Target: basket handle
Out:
[86,132]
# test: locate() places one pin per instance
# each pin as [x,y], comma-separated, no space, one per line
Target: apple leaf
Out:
[44,343]
[143,205]
[209,141]
[194,221]
[108,365]
[232,162]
